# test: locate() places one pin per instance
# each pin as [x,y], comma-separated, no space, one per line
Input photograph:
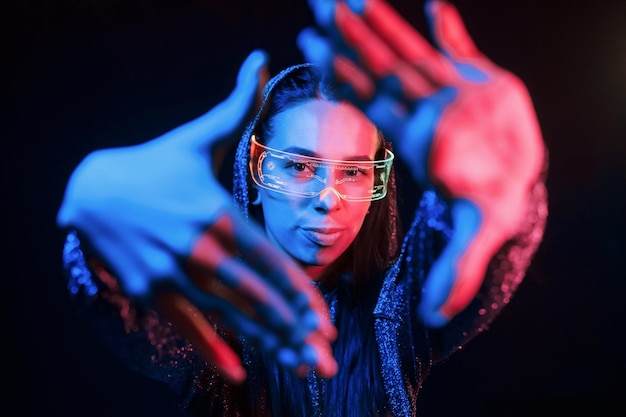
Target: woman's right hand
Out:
[157,216]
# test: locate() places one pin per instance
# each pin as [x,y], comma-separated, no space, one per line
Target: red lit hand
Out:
[460,122]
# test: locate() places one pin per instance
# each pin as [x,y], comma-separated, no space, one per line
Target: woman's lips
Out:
[322,236]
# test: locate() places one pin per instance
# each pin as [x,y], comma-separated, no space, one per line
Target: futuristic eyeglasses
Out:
[306,176]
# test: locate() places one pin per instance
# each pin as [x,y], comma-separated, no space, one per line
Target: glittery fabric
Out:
[406,349]
[403,342]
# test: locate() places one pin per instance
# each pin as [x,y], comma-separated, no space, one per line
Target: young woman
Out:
[167,255]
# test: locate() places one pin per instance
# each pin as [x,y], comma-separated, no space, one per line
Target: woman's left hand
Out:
[460,123]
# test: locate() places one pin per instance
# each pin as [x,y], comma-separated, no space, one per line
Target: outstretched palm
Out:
[460,122]
[157,217]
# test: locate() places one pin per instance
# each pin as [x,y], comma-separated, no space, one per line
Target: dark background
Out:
[82,75]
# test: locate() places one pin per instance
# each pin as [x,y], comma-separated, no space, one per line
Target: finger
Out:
[411,129]
[239,284]
[192,325]
[378,56]
[449,31]
[352,82]
[208,282]
[316,49]
[348,73]
[315,351]
[291,290]
[227,117]
[323,358]
[235,318]
[316,354]
[406,41]
[288,278]
[455,276]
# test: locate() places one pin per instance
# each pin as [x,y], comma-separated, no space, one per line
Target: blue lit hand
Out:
[156,215]
[460,122]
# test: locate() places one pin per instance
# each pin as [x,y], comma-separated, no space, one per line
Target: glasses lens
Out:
[306,176]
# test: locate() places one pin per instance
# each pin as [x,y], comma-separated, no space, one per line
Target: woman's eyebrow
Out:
[312,154]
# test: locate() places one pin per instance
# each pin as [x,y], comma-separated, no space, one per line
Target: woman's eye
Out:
[299,166]
[356,171]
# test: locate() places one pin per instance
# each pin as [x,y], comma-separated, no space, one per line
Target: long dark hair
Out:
[376,244]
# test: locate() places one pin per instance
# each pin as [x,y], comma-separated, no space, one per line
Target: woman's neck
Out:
[315,272]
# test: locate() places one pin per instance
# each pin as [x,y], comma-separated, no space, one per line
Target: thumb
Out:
[412,134]
[447,284]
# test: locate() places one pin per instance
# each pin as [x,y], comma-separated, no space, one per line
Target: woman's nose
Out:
[328,200]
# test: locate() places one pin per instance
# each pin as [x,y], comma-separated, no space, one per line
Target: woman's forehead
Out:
[327,129]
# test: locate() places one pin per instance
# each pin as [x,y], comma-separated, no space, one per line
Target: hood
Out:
[242,155]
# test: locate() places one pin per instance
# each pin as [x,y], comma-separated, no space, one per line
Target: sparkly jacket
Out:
[405,348]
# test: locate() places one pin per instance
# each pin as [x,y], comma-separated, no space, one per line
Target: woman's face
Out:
[316,231]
